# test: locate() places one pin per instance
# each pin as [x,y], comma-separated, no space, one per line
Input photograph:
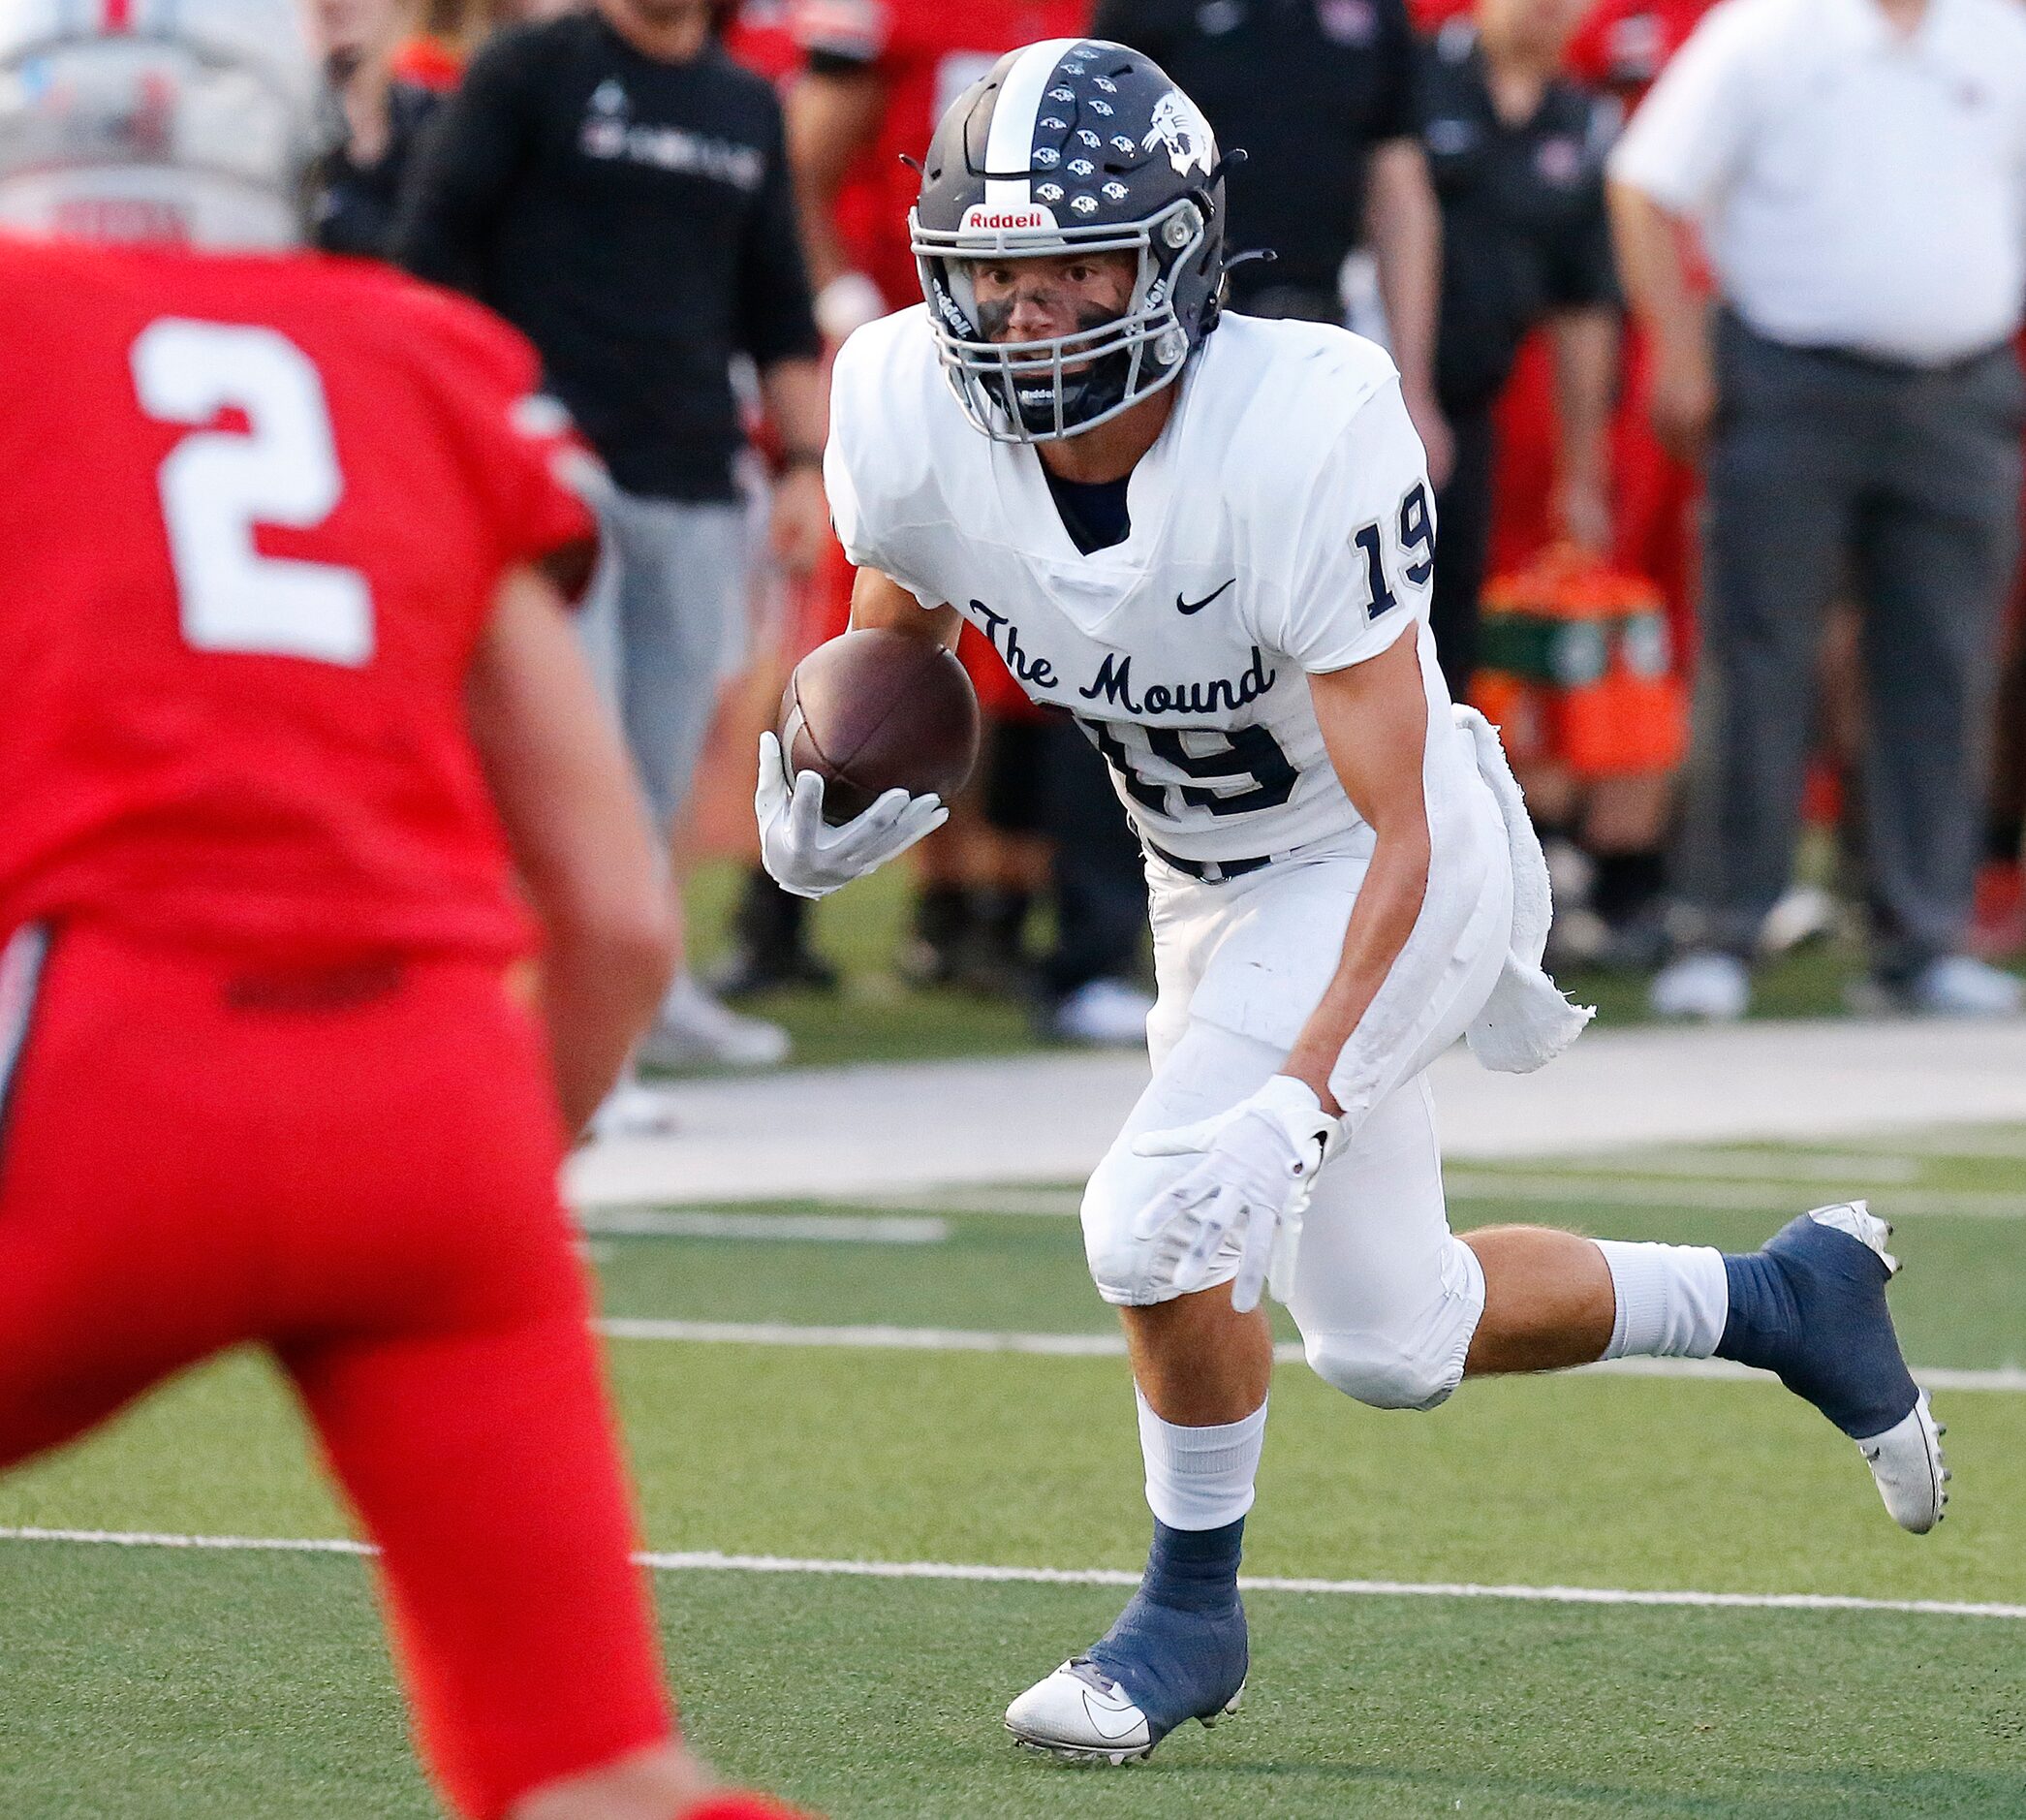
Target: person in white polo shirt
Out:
[1856,170]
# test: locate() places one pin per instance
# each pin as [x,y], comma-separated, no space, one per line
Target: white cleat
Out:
[1906,1461]
[1856,1218]
[1079,1715]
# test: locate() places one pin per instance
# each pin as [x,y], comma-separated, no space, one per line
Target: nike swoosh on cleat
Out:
[1103,1720]
[1182,605]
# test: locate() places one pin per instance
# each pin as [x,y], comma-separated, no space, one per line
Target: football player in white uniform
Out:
[1214,549]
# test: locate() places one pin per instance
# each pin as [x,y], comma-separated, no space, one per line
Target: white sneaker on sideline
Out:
[693,1030]
[1804,913]
[1707,986]
[635,1109]
[1960,986]
[1103,1013]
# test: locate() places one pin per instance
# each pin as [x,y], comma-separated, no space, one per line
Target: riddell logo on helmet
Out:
[982,218]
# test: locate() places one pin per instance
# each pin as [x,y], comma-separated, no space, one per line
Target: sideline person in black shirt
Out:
[1517,157]
[1320,94]
[354,187]
[616,187]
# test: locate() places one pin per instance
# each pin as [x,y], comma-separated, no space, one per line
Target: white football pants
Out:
[1386,1297]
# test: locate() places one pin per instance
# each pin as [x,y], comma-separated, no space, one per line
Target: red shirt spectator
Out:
[1622,43]
[879,75]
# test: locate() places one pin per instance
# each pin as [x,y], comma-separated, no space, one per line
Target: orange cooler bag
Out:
[1577,668]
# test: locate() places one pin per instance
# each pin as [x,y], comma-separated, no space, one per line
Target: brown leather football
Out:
[878,710]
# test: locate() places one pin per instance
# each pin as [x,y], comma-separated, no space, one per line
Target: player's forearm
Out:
[879,602]
[1405,228]
[1652,269]
[1396,753]
[560,777]
[1586,362]
[1389,905]
[597,998]
[832,118]
[800,404]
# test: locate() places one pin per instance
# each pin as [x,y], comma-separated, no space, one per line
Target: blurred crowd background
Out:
[1708,319]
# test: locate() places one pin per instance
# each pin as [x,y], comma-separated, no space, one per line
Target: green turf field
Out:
[150,1683]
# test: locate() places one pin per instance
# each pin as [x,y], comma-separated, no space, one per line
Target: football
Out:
[877,711]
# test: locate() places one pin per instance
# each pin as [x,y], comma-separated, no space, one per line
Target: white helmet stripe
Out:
[1010,145]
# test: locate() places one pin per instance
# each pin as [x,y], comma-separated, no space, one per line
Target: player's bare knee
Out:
[1376,1372]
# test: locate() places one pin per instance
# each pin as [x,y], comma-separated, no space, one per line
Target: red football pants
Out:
[356,1169]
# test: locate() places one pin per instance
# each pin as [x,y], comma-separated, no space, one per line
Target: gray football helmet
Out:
[1073,145]
[155,119]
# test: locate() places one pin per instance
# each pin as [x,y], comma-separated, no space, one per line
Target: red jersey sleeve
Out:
[528,468]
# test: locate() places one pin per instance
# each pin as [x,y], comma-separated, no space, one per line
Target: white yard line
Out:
[1612,1183]
[710,1560]
[1999,1145]
[1046,1202]
[2002,1378]
[875,1339]
[838,1228]
[1763,1165]
[1113,1346]
[1586,1189]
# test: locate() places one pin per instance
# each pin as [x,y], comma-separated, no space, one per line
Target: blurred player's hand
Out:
[848,302]
[1682,399]
[1258,1170]
[803,854]
[799,523]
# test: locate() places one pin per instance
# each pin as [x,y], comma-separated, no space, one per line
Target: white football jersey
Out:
[1283,523]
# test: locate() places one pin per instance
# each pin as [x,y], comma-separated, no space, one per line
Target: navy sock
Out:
[1765,1319]
[1194,1570]
[1811,1308]
[1179,1646]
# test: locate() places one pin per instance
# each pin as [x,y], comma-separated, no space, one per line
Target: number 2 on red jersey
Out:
[218,486]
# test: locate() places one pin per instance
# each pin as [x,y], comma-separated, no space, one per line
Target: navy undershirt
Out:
[1093,512]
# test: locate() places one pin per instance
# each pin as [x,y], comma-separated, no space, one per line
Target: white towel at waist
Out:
[1526,1022]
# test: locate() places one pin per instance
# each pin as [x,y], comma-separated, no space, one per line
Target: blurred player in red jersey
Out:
[291,699]
[756,34]
[878,76]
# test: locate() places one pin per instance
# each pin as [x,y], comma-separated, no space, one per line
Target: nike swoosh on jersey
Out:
[1196,606]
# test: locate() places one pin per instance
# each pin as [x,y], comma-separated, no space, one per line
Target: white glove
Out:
[804,855]
[1259,1168]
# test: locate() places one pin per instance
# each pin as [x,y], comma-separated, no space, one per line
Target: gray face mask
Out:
[1095,385]
[1059,385]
